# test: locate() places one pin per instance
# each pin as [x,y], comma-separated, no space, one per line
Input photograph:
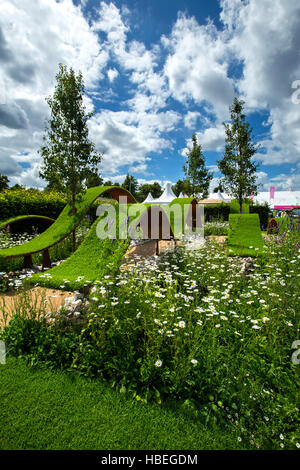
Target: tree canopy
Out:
[197,176]
[3,182]
[68,154]
[239,170]
[144,189]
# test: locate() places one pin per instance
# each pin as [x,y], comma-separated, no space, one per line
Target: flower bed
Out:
[194,326]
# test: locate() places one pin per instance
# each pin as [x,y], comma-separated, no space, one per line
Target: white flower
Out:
[158,363]
[194,361]
[181,324]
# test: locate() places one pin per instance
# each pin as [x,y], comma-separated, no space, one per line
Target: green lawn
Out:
[42,409]
[244,237]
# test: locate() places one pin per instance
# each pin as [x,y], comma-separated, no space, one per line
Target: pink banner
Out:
[272,192]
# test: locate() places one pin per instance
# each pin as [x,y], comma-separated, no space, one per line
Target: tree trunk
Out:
[241,205]
[74,240]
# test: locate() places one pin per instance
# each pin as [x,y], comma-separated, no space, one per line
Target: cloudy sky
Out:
[155,71]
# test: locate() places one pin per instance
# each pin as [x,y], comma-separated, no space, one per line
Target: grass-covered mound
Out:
[244,238]
[64,224]
[94,259]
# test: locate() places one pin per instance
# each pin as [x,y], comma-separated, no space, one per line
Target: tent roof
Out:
[167,196]
[149,198]
[281,198]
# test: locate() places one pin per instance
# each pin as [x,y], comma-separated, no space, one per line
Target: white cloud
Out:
[35,37]
[112,74]
[196,66]
[127,137]
[265,36]
[190,119]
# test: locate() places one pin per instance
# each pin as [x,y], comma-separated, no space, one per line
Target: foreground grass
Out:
[244,238]
[42,409]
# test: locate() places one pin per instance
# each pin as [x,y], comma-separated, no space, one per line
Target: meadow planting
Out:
[213,333]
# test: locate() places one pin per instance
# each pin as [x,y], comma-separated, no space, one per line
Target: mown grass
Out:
[90,262]
[244,237]
[42,409]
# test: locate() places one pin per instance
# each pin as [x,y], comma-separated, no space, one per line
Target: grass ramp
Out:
[244,237]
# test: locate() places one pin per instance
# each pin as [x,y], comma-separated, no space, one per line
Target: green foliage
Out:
[191,327]
[144,189]
[287,224]
[61,410]
[197,175]
[244,238]
[93,179]
[181,186]
[216,228]
[3,182]
[131,184]
[28,201]
[68,155]
[216,212]
[263,210]
[94,259]
[62,227]
[235,207]
[236,165]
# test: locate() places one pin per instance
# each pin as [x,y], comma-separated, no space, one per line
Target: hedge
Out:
[235,207]
[222,211]
[263,211]
[31,201]
[216,211]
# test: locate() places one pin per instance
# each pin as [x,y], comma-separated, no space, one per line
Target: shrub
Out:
[216,212]
[263,211]
[235,207]
[30,201]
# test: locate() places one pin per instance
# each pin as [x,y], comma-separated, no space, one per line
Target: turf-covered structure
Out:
[93,259]
[104,247]
[6,224]
[244,237]
[63,226]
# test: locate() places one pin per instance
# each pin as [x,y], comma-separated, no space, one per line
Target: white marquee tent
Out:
[281,198]
[166,197]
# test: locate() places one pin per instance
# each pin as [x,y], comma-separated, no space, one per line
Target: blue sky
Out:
[155,73]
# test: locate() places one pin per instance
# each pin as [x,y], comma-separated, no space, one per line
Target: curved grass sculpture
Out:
[244,237]
[35,218]
[93,259]
[63,225]
[97,257]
